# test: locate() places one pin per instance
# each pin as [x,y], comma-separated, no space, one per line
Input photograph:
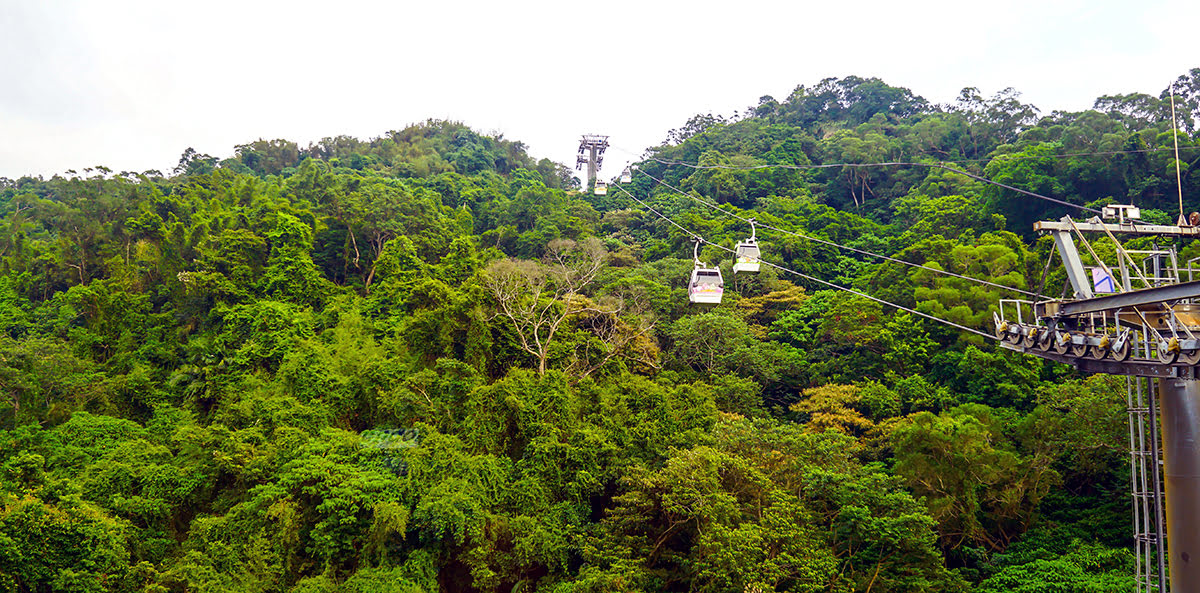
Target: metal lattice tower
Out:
[1145,464]
[591,153]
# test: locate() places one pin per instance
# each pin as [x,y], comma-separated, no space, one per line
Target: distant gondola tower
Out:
[591,153]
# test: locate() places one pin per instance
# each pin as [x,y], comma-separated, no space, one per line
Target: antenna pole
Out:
[1175,137]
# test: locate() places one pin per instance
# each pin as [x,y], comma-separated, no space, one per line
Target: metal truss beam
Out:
[1137,298]
[1127,229]
[1112,367]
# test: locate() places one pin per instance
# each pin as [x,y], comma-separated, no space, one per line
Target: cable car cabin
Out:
[706,285]
[747,256]
[626,176]
[601,188]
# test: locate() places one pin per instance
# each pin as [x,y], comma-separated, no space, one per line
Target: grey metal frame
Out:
[1146,486]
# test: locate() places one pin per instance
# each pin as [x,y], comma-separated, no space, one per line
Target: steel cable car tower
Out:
[591,153]
[1138,316]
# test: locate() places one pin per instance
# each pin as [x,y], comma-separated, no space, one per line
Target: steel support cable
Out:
[909,164]
[837,245]
[701,239]
[1145,322]
[937,165]
[1065,155]
[1127,259]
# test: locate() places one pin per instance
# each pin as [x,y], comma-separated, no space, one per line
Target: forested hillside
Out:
[430,362]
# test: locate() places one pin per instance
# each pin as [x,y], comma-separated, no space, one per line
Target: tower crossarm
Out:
[1127,229]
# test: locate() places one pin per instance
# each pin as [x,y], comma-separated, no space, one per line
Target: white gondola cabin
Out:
[747,253]
[626,175]
[601,188]
[747,256]
[706,285]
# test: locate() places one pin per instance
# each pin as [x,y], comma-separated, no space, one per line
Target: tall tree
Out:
[538,297]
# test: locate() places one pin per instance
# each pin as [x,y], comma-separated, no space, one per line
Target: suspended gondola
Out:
[706,285]
[747,253]
[601,188]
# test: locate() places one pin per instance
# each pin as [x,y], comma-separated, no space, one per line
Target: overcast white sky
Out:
[131,84]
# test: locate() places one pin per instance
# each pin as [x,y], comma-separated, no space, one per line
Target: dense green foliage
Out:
[427,362]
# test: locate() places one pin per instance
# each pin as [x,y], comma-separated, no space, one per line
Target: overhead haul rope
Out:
[700,238]
[937,165]
[1065,155]
[833,244]
[1068,155]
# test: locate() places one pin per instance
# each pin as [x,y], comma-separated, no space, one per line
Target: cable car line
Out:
[890,164]
[833,244]
[701,239]
[937,165]
[1065,155]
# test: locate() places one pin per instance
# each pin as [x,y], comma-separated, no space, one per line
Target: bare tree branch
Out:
[538,298]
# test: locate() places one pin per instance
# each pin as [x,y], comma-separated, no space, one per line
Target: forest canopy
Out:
[429,361]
